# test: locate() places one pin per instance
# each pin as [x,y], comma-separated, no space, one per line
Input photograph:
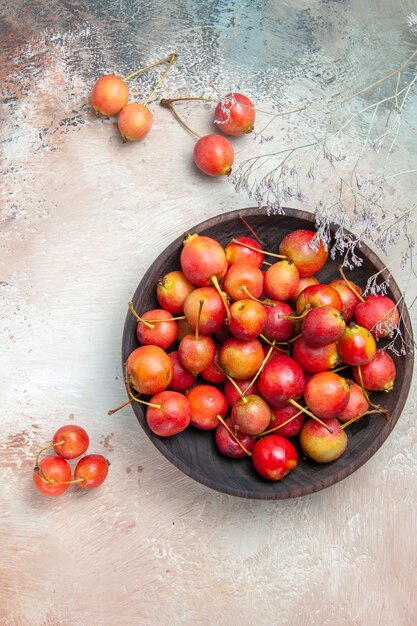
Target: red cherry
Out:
[315,359]
[236,253]
[356,346]
[92,470]
[378,314]
[206,402]
[377,375]
[235,114]
[228,445]
[168,413]
[296,246]
[283,414]
[274,457]
[214,155]
[182,378]
[75,441]
[281,380]
[54,469]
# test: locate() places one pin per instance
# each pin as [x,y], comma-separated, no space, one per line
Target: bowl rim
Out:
[307,489]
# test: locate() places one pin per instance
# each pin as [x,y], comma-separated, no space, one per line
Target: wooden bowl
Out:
[194,451]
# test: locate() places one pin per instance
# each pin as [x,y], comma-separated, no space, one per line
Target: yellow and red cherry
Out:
[168,413]
[172,290]
[326,394]
[110,94]
[149,369]
[321,445]
[309,259]
[52,476]
[70,441]
[356,346]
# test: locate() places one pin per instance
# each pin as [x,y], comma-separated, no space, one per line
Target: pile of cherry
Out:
[255,355]
[213,153]
[52,474]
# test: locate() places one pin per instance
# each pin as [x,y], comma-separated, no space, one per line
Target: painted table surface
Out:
[83,217]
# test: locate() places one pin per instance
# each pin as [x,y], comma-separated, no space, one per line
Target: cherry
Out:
[91,471]
[274,457]
[278,325]
[70,441]
[377,375]
[281,380]
[206,403]
[196,352]
[231,442]
[237,253]
[350,295]
[235,114]
[182,378]
[318,295]
[321,445]
[241,359]
[243,280]
[356,346]
[172,290]
[213,313]
[134,121]
[315,359]
[155,328]
[296,246]
[356,406]
[168,413]
[247,319]
[203,260]
[322,325]
[110,94]
[281,280]
[251,414]
[378,314]
[149,369]
[214,155]
[326,394]
[52,476]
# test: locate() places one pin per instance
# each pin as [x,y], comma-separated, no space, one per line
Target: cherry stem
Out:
[358,295]
[51,481]
[170,60]
[215,282]
[168,104]
[200,308]
[296,317]
[235,385]
[249,227]
[275,344]
[122,406]
[138,317]
[221,420]
[167,319]
[290,419]
[355,419]
[136,399]
[148,67]
[246,245]
[255,378]
[264,302]
[52,445]
[307,412]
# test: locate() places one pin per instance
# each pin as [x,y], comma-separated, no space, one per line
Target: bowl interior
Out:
[194,451]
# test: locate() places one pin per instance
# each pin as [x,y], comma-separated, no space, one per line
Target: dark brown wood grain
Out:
[194,451]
